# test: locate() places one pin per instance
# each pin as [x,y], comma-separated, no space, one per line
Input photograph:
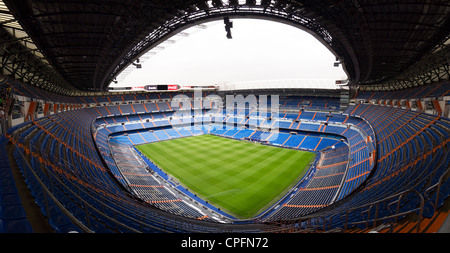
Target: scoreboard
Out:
[161,87]
[155,87]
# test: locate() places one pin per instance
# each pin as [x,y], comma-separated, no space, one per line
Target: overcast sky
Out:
[259,50]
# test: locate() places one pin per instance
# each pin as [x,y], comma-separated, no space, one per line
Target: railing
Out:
[436,188]
[28,171]
[386,211]
[396,201]
[369,215]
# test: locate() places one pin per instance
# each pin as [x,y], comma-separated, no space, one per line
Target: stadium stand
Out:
[440,89]
[381,141]
[305,141]
[407,155]
[62,144]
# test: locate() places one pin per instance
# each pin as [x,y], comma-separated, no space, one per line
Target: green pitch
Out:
[239,177]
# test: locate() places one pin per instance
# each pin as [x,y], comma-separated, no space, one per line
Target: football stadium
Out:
[81,155]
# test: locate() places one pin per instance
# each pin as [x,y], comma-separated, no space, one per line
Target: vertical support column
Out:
[419,105]
[437,107]
[47,109]
[31,110]
[55,108]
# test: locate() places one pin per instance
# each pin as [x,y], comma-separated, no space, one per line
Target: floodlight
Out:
[228,26]
[137,65]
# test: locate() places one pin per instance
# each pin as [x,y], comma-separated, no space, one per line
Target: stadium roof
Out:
[82,45]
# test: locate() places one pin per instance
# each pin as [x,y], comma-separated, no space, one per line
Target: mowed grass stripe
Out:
[240,177]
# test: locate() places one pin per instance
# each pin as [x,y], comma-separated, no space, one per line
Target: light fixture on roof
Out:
[338,62]
[228,26]
[137,65]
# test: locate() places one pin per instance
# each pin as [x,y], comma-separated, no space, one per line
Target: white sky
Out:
[259,50]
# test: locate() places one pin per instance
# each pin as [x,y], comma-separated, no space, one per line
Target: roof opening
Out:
[259,52]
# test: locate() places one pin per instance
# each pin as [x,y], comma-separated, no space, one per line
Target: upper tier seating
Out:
[436,90]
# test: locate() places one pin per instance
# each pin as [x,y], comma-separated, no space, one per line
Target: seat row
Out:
[13,218]
[436,90]
[412,155]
